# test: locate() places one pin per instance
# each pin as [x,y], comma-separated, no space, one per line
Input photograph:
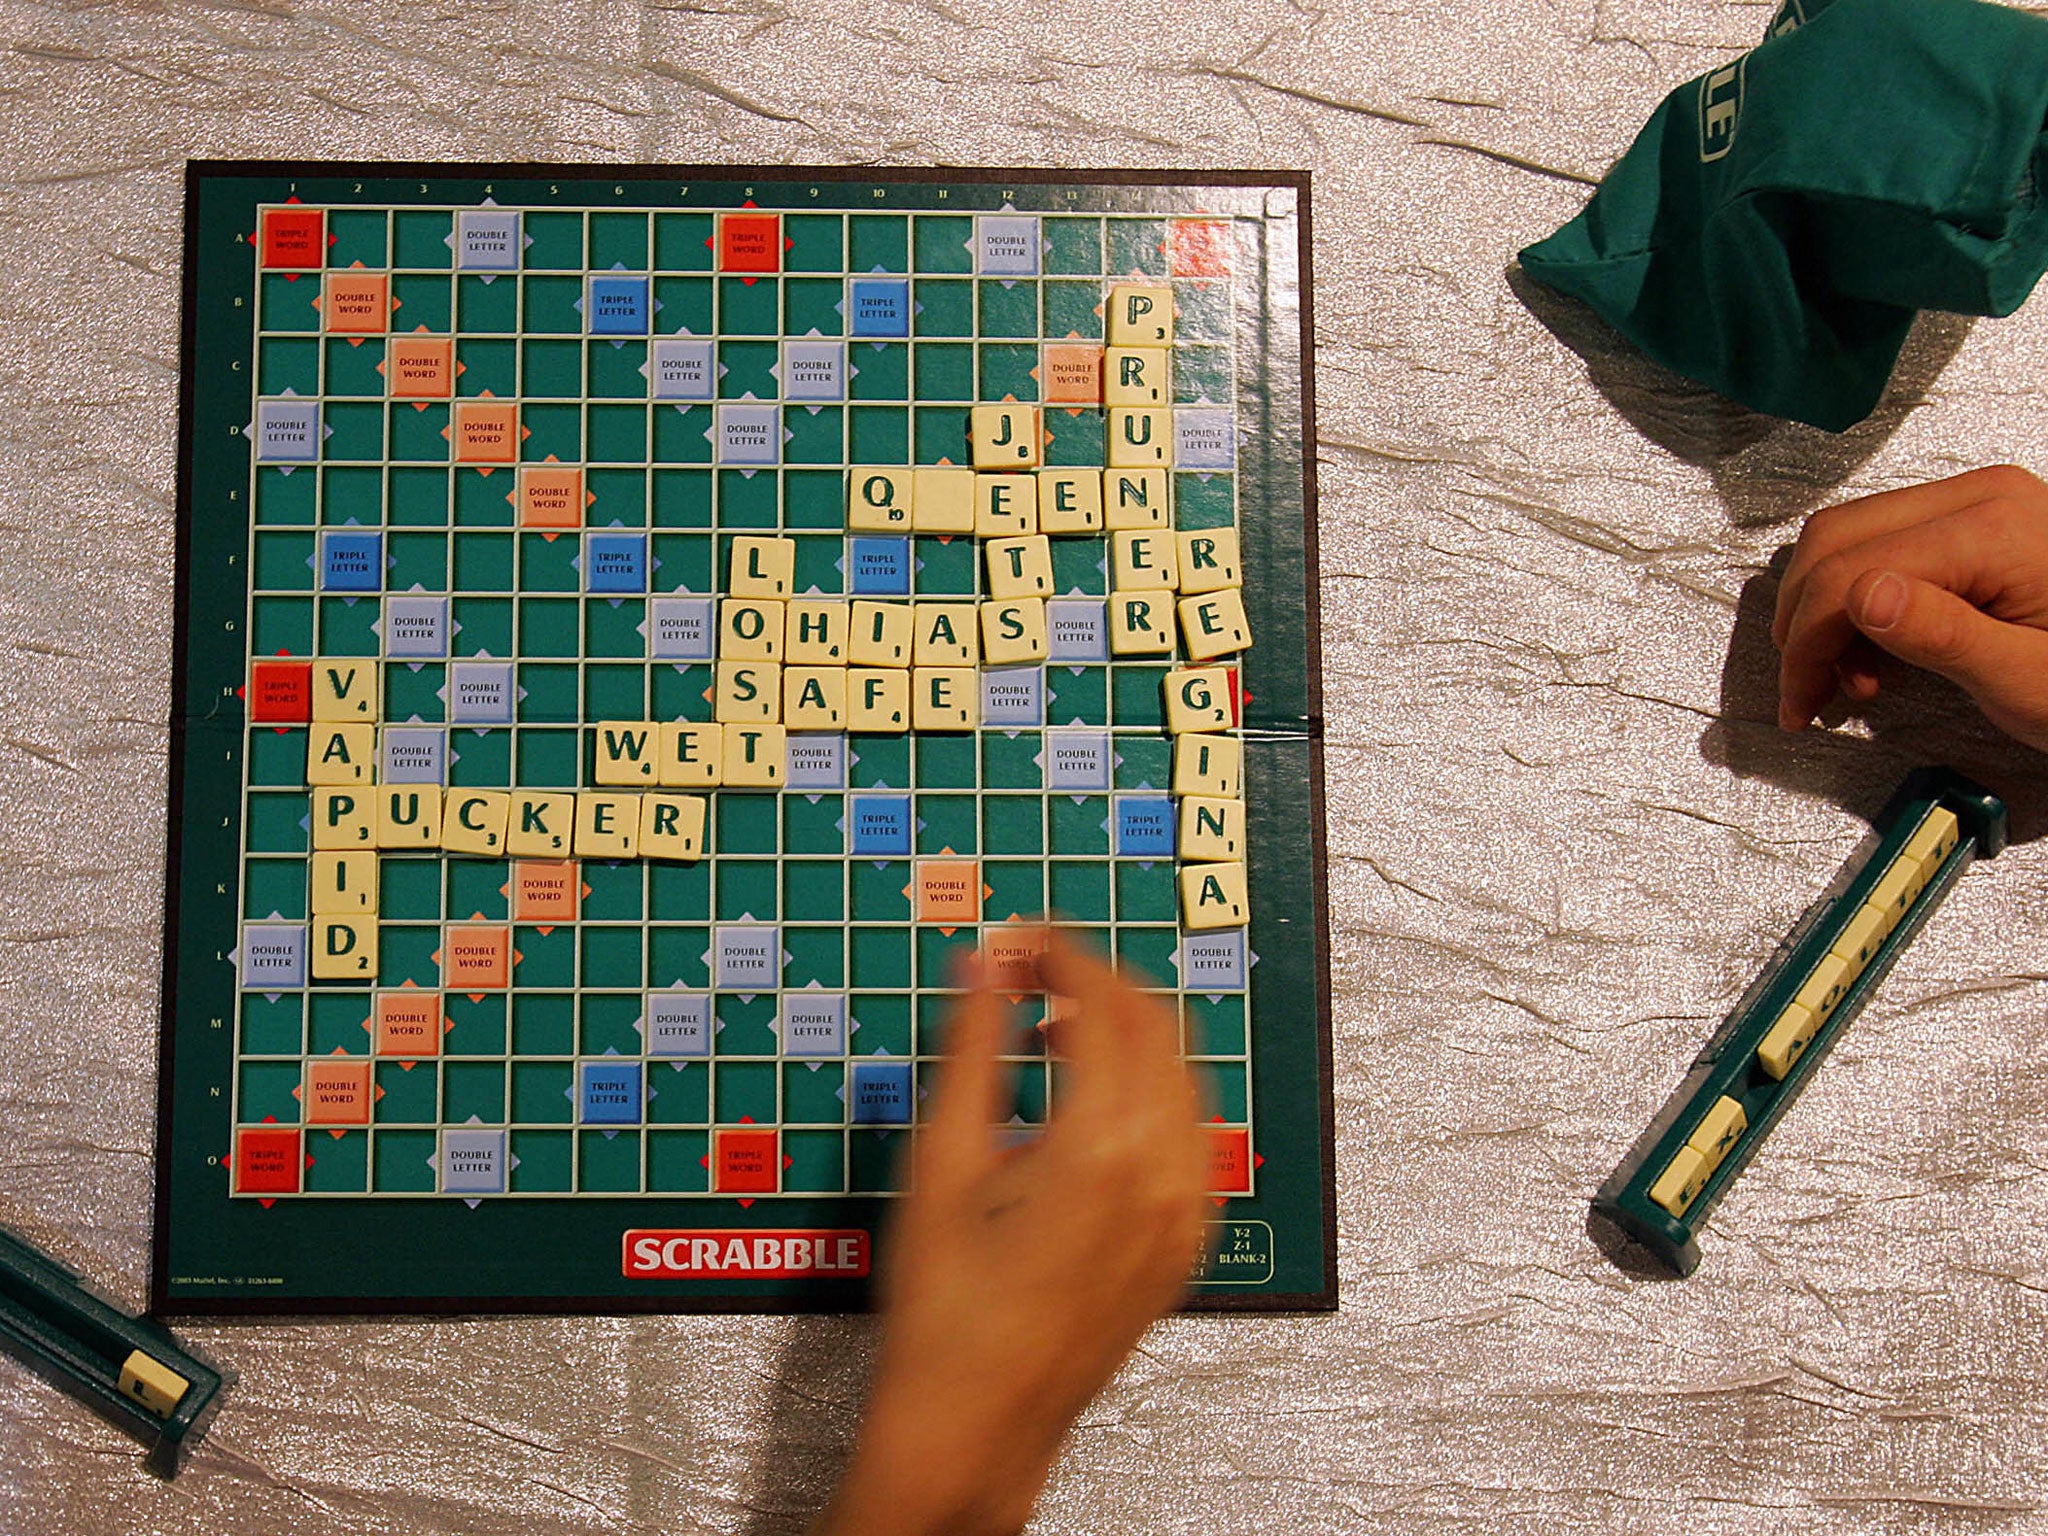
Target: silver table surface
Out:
[1564,832]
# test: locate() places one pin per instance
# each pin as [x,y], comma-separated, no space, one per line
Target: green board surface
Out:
[617,1108]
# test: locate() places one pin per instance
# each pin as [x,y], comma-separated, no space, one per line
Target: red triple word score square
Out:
[267,1161]
[745,1162]
[750,242]
[1230,1161]
[292,240]
[281,692]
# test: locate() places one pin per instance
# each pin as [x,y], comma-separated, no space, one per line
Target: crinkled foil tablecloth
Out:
[1564,832]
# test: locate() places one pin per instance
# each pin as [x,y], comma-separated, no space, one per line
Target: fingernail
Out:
[1884,604]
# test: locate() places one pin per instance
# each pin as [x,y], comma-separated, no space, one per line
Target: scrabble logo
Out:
[836,1253]
[1720,110]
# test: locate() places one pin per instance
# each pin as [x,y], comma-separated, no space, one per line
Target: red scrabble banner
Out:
[838,1253]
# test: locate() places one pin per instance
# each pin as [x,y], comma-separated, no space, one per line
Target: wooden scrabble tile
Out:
[1136,376]
[1070,373]
[1922,871]
[942,499]
[814,632]
[477,958]
[607,825]
[946,635]
[880,500]
[814,698]
[345,690]
[878,700]
[344,883]
[628,753]
[762,567]
[672,827]
[750,629]
[1861,937]
[345,947]
[1208,560]
[1198,699]
[148,1381]
[551,496]
[1786,1041]
[408,816]
[1213,896]
[408,1023]
[1139,315]
[1931,843]
[1896,892]
[1143,560]
[1136,498]
[1140,437]
[473,821]
[1681,1181]
[1070,501]
[1020,567]
[336,1091]
[945,699]
[749,692]
[755,756]
[690,755]
[1718,1131]
[539,825]
[1005,436]
[947,891]
[880,635]
[1211,829]
[1141,623]
[344,818]
[1208,765]
[1214,624]
[1822,992]
[341,754]
[1005,506]
[1013,632]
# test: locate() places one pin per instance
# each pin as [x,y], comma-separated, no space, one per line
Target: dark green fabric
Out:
[1885,156]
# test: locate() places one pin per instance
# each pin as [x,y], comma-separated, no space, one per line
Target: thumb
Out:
[2003,666]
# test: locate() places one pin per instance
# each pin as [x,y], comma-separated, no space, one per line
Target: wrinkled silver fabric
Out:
[1564,832]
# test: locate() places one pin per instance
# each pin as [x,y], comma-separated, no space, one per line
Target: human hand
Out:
[1019,1278]
[1950,576]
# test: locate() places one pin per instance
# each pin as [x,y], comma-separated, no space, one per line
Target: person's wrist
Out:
[889,1493]
[914,1475]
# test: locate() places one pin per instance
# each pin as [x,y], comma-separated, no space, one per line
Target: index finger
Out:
[968,1098]
[1834,529]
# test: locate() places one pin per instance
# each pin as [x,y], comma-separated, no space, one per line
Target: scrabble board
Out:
[637,627]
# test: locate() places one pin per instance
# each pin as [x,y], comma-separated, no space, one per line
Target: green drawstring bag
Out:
[1777,223]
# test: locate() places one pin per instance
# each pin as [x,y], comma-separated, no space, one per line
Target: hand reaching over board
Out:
[1950,576]
[1020,1277]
